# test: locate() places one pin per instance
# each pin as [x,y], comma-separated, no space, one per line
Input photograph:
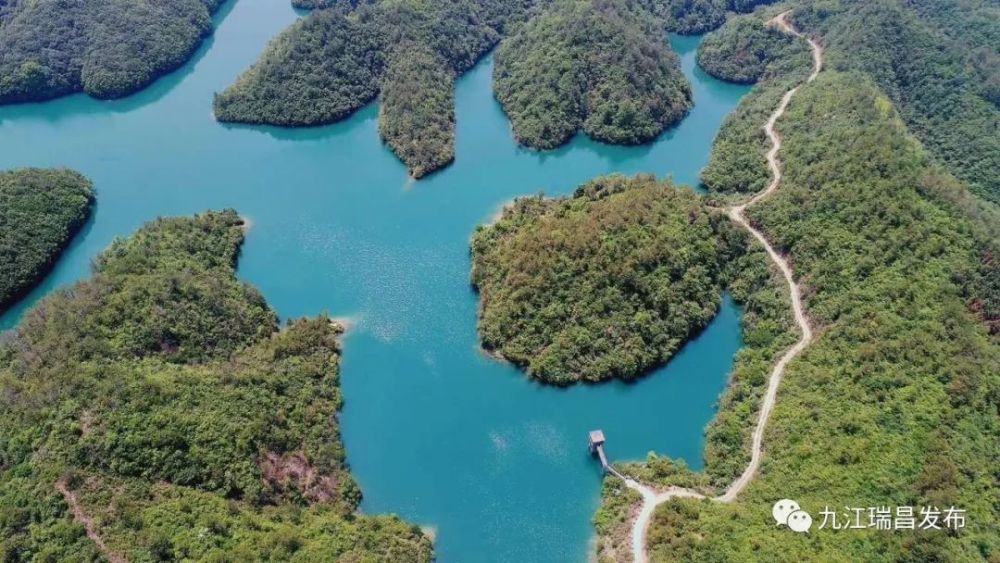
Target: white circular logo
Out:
[782,509]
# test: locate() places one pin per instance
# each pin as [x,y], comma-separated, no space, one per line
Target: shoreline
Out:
[246,225]
[651,497]
[344,323]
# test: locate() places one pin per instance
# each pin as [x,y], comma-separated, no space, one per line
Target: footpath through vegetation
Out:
[650,497]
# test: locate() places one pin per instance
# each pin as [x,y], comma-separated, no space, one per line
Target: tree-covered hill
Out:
[598,65]
[939,66]
[40,212]
[895,401]
[106,48]
[697,16]
[606,284]
[736,164]
[742,50]
[154,412]
[338,59]
[971,27]
[348,52]
[916,55]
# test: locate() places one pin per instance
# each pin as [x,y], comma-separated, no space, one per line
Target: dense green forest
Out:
[691,17]
[743,49]
[736,165]
[157,408]
[971,26]
[606,284]
[417,113]
[336,60]
[895,402]
[40,212]
[600,65]
[924,66]
[106,48]
[940,79]
[317,4]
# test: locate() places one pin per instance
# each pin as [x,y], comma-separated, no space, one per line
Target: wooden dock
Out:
[596,445]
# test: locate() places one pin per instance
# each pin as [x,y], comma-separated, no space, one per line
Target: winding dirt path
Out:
[652,498]
[88,523]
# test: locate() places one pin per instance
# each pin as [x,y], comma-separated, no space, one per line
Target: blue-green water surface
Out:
[435,431]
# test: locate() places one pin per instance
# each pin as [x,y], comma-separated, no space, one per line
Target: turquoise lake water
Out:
[435,431]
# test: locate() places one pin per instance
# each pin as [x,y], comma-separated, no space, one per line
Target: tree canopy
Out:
[106,48]
[894,402]
[417,114]
[742,50]
[737,164]
[939,67]
[606,284]
[598,65]
[40,212]
[336,60]
[157,404]
[690,17]
[940,79]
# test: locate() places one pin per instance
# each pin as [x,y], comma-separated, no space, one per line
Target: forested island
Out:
[605,284]
[155,412]
[40,212]
[106,48]
[336,60]
[895,398]
[599,65]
